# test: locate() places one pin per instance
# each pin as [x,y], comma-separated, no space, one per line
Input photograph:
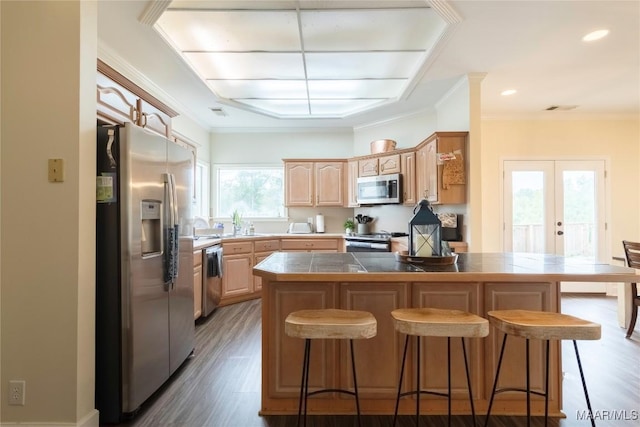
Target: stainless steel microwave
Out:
[381,189]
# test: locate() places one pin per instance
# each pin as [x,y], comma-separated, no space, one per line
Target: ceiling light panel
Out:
[363,30]
[357,65]
[247,65]
[267,89]
[342,89]
[328,108]
[284,108]
[231,31]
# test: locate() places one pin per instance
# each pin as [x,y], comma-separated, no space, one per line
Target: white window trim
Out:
[215,201]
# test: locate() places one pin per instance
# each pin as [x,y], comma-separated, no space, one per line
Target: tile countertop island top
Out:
[375,282]
[383,267]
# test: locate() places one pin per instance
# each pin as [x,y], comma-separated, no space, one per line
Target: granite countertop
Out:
[377,266]
[202,242]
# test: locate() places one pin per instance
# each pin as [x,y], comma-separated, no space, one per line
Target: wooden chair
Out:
[433,322]
[545,326]
[632,253]
[328,324]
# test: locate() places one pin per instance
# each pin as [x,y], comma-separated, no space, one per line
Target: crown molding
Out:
[153,11]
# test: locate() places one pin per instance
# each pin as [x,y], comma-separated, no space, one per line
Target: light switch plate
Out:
[56,170]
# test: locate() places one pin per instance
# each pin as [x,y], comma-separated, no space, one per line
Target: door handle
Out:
[560,232]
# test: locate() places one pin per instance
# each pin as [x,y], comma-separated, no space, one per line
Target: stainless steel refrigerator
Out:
[144,267]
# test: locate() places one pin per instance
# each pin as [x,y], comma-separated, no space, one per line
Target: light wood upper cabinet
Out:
[330,183]
[408,170]
[319,183]
[389,164]
[382,165]
[368,167]
[440,168]
[352,183]
[120,101]
[299,184]
[421,173]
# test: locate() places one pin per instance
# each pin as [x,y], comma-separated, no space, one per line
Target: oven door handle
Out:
[382,246]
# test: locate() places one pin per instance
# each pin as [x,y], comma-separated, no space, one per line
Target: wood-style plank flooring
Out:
[220,385]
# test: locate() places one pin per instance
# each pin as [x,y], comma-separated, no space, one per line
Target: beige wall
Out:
[616,141]
[47,248]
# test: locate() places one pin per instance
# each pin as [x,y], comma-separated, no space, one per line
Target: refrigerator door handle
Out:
[176,231]
[169,233]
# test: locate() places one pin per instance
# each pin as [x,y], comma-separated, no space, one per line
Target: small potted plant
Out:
[349,226]
[236,219]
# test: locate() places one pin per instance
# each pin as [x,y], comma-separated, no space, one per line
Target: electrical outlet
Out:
[16,392]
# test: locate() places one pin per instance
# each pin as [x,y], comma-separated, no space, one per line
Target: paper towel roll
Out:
[319,223]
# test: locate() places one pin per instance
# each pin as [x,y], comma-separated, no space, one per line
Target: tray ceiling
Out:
[304,59]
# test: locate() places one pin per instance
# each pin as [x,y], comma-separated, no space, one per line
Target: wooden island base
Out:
[477,284]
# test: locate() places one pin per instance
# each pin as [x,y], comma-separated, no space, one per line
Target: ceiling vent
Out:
[561,107]
[218,111]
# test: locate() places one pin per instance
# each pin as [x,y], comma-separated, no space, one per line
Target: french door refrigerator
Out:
[144,274]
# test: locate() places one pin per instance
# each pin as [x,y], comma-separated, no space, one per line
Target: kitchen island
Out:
[377,283]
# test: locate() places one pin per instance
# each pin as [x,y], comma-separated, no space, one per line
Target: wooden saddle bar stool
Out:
[434,322]
[632,253]
[544,326]
[328,324]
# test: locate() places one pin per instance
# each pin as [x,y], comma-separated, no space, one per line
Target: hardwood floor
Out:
[220,385]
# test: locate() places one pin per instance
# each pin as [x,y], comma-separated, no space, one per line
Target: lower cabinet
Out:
[197,284]
[311,245]
[262,249]
[329,357]
[381,351]
[237,275]
[379,359]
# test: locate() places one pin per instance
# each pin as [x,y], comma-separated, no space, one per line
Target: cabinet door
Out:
[352,184]
[450,175]
[298,177]
[330,183]
[237,278]
[197,284]
[257,280]
[408,169]
[451,296]
[368,167]
[284,352]
[539,297]
[381,354]
[389,164]
[115,103]
[421,173]
[432,171]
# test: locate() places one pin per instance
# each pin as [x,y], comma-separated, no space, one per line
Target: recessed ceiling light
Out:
[595,35]
[508,92]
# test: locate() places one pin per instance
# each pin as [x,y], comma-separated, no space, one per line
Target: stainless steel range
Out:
[378,242]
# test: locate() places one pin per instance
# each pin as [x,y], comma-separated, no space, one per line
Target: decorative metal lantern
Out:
[425,231]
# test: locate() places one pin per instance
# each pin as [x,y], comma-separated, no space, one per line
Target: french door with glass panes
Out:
[556,207]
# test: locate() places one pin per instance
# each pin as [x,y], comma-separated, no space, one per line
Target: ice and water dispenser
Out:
[151,214]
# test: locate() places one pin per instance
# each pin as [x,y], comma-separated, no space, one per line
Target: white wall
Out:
[48,229]
[617,141]
[272,147]
[407,131]
[269,148]
[195,133]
